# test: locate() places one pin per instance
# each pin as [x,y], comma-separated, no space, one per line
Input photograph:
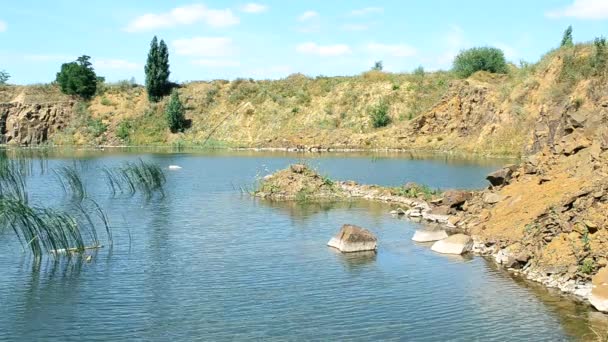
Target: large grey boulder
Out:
[352,238]
[429,235]
[454,244]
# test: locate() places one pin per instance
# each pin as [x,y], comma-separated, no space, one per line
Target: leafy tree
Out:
[378,66]
[567,37]
[78,78]
[175,113]
[157,70]
[4,76]
[472,60]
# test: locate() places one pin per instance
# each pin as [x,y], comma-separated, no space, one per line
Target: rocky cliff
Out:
[33,124]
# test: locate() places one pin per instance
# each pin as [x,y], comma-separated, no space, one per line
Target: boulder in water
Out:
[453,244]
[599,292]
[352,238]
[429,235]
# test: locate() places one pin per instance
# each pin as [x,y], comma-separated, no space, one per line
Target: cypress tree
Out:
[175,113]
[163,67]
[157,70]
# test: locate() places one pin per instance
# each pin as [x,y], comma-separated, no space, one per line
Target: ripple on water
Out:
[206,263]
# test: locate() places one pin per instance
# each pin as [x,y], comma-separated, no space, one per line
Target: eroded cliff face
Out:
[32,124]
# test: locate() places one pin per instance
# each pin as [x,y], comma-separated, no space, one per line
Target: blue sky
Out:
[273,38]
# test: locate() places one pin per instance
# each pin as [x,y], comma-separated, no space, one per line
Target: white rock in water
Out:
[174,167]
[454,244]
[429,235]
[353,239]
[599,292]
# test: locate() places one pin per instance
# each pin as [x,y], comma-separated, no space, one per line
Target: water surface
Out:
[209,263]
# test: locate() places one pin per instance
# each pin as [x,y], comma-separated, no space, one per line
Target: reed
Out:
[44,230]
[141,176]
[71,182]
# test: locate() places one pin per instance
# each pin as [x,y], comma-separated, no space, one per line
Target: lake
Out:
[208,262]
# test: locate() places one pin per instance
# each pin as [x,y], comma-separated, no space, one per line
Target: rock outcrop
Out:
[454,244]
[32,124]
[352,238]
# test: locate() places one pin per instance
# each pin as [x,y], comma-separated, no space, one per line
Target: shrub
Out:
[378,66]
[588,266]
[106,102]
[472,60]
[379,115]
[97,127]
[78,78]
[175,113]
[123,130]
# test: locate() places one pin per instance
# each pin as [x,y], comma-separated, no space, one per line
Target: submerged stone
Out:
[429,235]
[454,244]
[352,238]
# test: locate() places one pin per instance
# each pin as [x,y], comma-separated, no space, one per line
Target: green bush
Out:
[379,115]
[106,102]
[472,60]
[78,78]
[123,130]
[175,113]
[97,127]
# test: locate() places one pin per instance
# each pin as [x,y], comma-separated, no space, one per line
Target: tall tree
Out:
[157,70]
[567,38]
[78,78]
[175,113]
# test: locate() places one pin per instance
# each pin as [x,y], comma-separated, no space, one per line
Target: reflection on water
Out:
[206,262]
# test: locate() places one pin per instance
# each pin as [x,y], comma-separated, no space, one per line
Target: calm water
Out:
[208,263]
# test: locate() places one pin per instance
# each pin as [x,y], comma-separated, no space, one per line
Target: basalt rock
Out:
[31,124]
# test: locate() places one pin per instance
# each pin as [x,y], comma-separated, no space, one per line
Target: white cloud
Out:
[308,16]
[582,9]
[216,63]
[323,50]
[394,50]
[366,10]
[115,64]
[3,26]
[205,46]
[253,8]
[355,27]
[186,15]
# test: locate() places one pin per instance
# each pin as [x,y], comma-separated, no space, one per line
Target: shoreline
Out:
[305,150]
[421,211]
